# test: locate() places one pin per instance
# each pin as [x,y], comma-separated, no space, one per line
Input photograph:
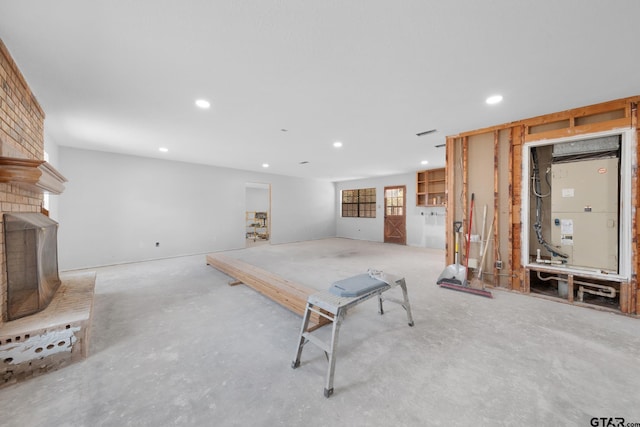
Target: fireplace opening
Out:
[30,242]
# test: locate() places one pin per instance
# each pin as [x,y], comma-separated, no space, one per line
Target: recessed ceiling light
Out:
[163,149]
[424,162]
[265,165]
[203,103]
[337,144]
[494,99]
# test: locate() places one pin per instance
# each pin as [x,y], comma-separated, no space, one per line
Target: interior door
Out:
[395,220]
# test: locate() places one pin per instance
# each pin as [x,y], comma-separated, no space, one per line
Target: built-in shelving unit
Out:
[257,226]
[430,187]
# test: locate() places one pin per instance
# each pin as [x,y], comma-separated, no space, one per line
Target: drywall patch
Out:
[39,347]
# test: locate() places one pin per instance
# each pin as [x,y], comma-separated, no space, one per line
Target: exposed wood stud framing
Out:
[634,299]
[570,288]
[617,114]
[449,195]
[496,206]
[516,190]
[514,283]
[465,186]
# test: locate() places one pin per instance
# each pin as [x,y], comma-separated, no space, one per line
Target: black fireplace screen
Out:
[31,250]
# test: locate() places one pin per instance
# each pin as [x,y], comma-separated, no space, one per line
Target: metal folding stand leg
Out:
[331,354]
[404,303]
[329,348]
[302,340]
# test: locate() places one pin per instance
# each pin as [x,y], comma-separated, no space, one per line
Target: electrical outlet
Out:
[498,265]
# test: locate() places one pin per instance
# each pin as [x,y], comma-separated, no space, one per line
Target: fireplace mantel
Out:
[35,175]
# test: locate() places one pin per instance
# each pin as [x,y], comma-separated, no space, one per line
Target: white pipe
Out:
[546,261]
[607,291]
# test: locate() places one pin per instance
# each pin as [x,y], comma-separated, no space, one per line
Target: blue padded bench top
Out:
[356,286]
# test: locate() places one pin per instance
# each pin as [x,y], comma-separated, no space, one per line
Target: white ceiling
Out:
[123,75]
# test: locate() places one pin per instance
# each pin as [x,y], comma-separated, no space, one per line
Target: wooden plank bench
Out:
[290,295]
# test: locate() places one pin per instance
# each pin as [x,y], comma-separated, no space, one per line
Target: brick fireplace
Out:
[49,327]
[21,137]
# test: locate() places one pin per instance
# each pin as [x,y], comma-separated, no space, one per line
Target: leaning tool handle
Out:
[457,226]
[469,232]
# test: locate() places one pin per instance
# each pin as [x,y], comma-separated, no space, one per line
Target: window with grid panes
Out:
[394,202]
[359,203]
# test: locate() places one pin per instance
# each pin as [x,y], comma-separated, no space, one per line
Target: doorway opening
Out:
[257,214]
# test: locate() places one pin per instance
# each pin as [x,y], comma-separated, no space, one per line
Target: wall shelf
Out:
[431,187]
[257,226]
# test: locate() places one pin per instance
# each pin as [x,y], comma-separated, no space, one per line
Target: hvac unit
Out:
[585,203]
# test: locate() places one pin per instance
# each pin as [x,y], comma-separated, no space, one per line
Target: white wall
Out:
[257,199]
[116,207]
[302,210]
[425,226]
[52,150]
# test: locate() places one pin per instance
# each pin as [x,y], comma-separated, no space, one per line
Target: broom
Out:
[478,282]
[464,287]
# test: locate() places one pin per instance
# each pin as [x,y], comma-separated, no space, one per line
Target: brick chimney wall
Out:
[21,136]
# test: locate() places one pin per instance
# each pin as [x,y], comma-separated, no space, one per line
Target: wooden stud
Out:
[625,297]
[465,187]
[569,288]
[515,163]
[527,281]
[510,231]
[450,210]
[496,207]
[633,303]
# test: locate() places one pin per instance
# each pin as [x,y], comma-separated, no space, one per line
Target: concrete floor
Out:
[173,344]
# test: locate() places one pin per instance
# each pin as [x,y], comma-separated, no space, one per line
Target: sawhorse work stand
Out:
[334,308]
